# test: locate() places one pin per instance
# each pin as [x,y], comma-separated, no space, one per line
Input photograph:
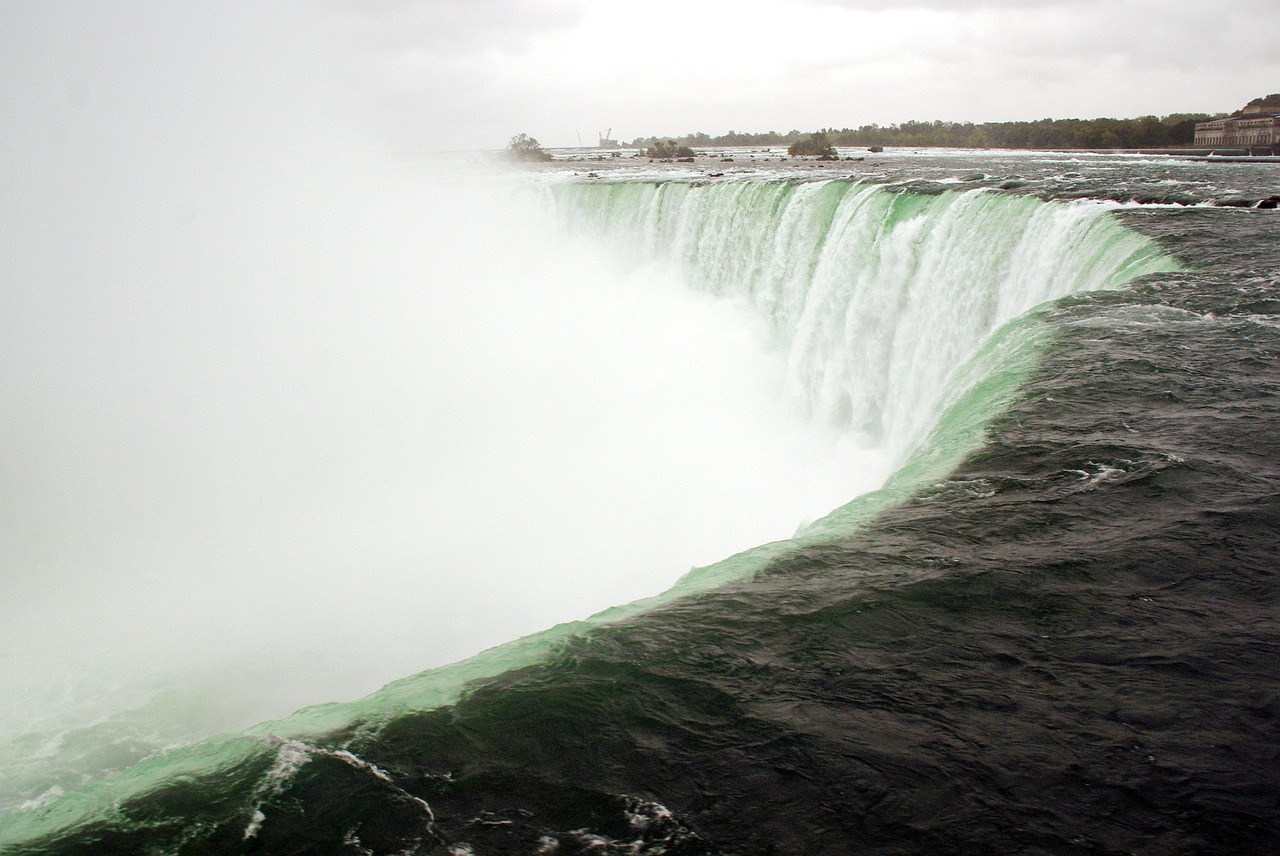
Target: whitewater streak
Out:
[878,295]
[902,315]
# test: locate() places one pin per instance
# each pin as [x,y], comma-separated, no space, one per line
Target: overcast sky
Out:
[470,73]
[554,68]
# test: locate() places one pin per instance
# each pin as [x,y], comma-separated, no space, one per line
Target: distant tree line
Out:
[733,138]
[1145,132]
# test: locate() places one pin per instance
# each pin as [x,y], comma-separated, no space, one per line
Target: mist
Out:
[286,417]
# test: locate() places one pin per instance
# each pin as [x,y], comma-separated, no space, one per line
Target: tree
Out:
[667,150]
[817,144]
[526,149]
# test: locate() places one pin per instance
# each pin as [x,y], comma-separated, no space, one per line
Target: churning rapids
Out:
[1036,614]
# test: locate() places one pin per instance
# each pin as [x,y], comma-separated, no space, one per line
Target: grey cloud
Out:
[1261,8]
[463,25]
[954,5]
[1179,38]
[1026,35]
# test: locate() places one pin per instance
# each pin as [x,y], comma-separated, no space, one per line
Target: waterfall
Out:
[877,296]
[901,317]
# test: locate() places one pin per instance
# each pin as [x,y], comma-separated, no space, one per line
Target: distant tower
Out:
[606,141]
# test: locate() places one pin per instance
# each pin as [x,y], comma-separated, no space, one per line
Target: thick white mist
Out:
[387,435]
[284,420]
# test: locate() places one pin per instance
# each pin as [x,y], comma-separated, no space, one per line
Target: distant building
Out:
[1255,126]
[606,142]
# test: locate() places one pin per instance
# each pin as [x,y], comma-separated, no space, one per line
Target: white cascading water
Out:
[877,296]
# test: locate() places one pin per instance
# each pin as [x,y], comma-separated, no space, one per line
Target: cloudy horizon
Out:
[459,75]
[422,75]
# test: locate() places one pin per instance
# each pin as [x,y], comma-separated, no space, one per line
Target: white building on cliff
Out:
[1256,126]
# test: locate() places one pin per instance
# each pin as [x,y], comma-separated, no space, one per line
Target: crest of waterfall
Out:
[876,295]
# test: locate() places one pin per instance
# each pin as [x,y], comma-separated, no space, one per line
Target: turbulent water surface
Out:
[1054,629]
